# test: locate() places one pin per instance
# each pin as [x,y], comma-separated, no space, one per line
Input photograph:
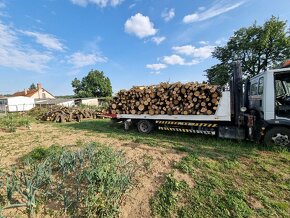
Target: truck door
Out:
[282,94]
[256,95]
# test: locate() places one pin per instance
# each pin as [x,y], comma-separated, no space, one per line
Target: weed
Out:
[41,153]
[12,121]
[147,162]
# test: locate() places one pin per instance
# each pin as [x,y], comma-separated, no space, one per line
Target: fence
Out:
[16,108]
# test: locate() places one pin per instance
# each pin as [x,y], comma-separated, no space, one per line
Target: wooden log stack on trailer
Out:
[168,99]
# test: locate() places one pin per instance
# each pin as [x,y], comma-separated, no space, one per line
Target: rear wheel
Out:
[145,126]
[278,136]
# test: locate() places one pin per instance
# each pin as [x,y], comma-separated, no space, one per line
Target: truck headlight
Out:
[243,109]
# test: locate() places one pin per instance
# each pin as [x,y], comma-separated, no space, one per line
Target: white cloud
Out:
[132,5]
[168,14]
[186,49]
[202,52]
[173,60]
[220,41]
[217,9]
[80,2]
[100,3]
[156,66]
[202,8]
[193,62]
[177,60]
[140,25]
[203,42]
[17,55]
[79,59]
[158,40]
[46,40]
[155,72]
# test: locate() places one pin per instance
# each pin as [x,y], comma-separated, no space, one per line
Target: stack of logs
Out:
[165,98]
[68,114]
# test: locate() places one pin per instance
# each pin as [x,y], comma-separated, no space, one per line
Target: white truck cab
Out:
[269,100]
[270,94]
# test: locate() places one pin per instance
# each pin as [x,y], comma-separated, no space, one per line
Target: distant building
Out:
[87,101]
[51,102]
[16,104]
[38,93]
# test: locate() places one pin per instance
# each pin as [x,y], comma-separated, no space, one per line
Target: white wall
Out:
[19,103]
[67,103]
[91,102]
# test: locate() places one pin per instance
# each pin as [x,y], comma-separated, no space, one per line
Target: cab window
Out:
[261,86]
[254,89]
[279,88]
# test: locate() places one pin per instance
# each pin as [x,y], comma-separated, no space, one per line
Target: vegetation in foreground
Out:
[11,122]
[88,182]
[227,178]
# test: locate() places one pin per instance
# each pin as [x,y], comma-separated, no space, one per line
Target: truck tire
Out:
[145,126]
[278,136]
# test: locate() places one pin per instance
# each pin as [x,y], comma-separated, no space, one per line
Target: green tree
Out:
[32,86]
[95,84]
[258,47]
[218,74]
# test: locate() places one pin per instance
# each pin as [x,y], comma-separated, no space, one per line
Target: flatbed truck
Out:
[257,109]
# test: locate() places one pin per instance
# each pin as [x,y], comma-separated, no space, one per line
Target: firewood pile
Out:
[68,114]
[171,99]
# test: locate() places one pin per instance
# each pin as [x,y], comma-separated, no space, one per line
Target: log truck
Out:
[257,109]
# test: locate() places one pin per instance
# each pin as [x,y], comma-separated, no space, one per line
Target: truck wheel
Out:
[278,136]
[145,126]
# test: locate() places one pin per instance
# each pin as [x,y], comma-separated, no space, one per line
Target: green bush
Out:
[37,112]
[12,121]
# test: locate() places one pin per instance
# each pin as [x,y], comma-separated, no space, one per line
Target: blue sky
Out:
[135,42]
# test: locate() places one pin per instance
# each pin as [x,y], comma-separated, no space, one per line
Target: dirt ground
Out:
[152,164]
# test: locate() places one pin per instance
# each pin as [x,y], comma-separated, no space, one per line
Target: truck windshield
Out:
[282,82]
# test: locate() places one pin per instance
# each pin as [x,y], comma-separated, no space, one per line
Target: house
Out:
[51,102]
[38,93]
[87,101]
[16,104]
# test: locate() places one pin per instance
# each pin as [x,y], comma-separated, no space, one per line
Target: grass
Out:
[166,200]
[231,178]
[40,153]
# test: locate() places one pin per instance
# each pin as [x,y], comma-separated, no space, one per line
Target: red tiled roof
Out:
[286,63]
[28,94]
